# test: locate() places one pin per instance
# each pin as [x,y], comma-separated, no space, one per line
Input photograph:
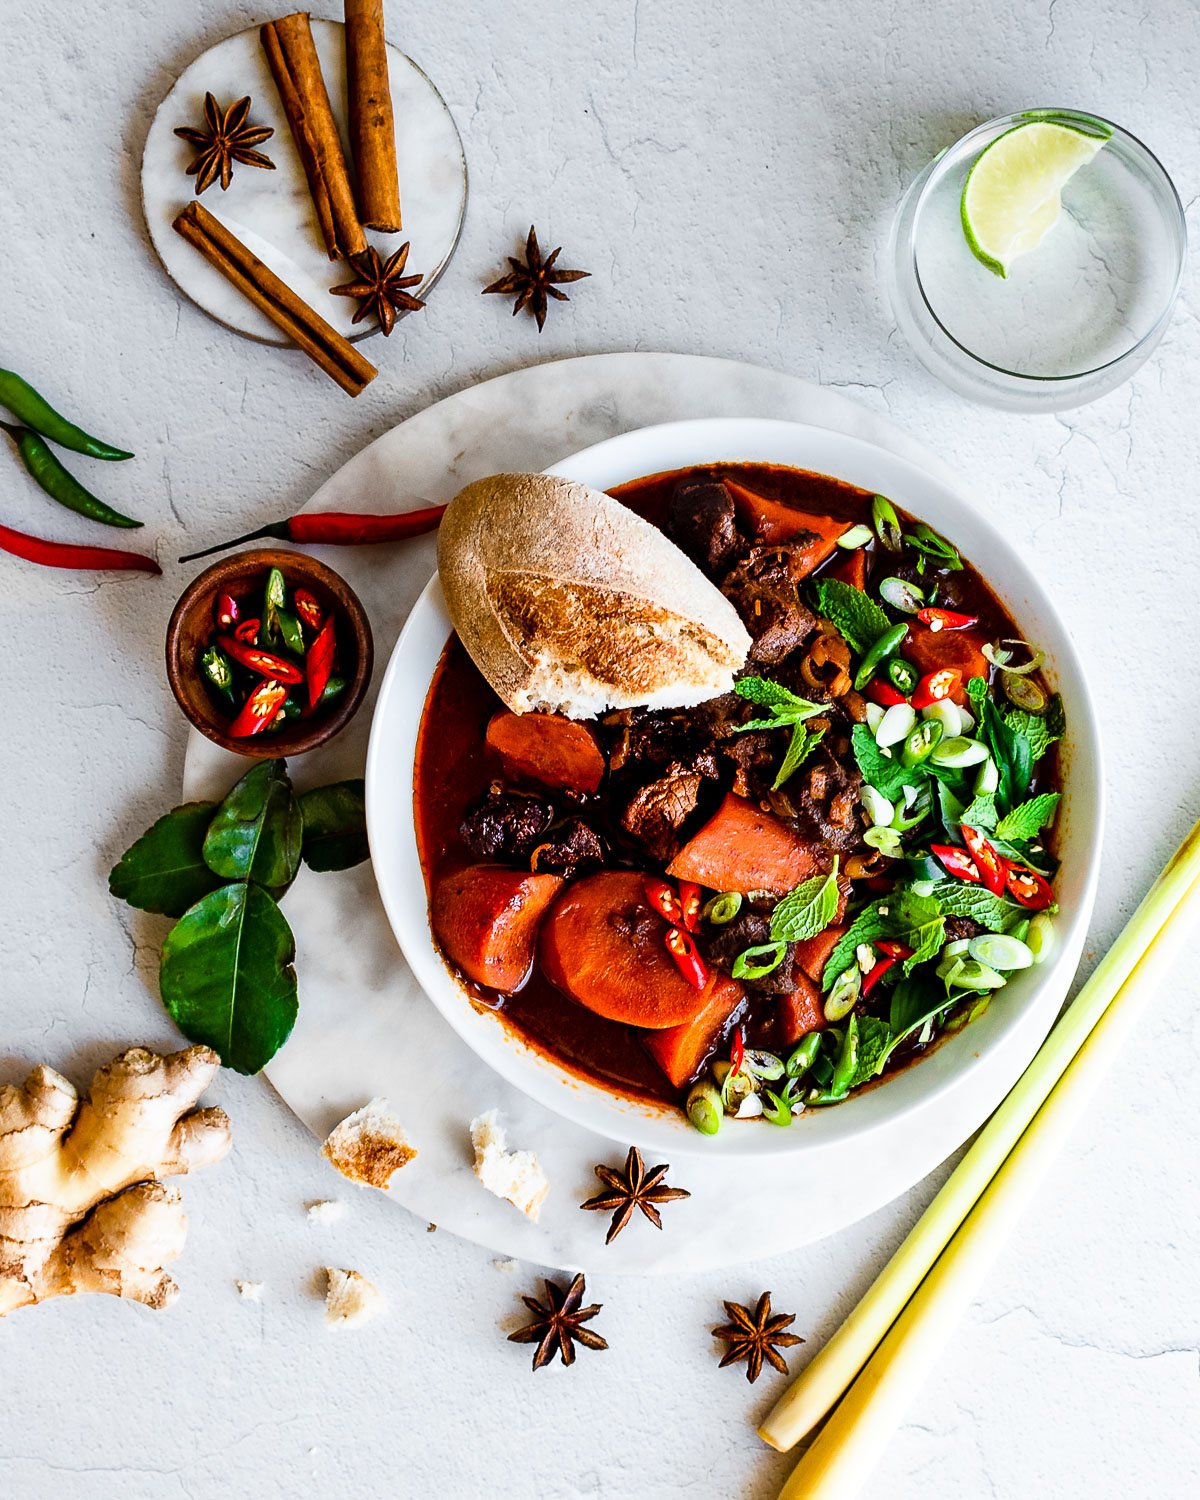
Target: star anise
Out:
[557,1324]
[381,288]
[534,281]
[753,1336]
[227,139]
[633,1188]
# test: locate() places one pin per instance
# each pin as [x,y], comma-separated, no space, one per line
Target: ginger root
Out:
[81,1205]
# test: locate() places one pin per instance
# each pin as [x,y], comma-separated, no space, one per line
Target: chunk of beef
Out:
[702,521]
[750,928]
[656,812]
[637,739]
[764,589]
[506,825]
[571,849]
[962,929]
[821,798]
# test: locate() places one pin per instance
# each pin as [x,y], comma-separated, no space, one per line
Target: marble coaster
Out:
[272,212]
[366,1028]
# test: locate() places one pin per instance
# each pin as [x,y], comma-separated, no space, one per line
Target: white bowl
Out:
[979,1062]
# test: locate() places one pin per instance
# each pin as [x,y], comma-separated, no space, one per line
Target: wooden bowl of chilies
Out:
[195,628]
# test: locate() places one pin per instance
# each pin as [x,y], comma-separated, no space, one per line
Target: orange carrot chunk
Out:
[681,1051]
[813,953]
[800,1012]
[742,848]
[486,919]
[961,650]
[771,523]
[852,569]
[548,749]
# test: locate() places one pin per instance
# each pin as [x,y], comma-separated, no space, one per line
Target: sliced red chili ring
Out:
[319,661]
[737,1050]
[935,687]
[259,709]
[307,608]
[663,898]
[893,949]
[687,959]
[957,861]
[883,693]
[225,611]
[1028,887]
[990,865]
[247,630]
[874,974]
[946,619]
[255,659]
[689,901]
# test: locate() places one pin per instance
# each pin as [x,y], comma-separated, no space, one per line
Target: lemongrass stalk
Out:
[840,1461]
[822,1382]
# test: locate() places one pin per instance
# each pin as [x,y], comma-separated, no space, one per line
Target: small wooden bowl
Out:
[244,576]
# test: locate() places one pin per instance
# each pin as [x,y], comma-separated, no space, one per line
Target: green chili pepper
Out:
[290,632]
[292,708]
[334,688]
[274,600]
[704,1108]
[922,742]
[771,954]
[804,1056]
[215,666]
[776,1111]
[883,647]
[902,675]
[886,522]
[57,482]
[36,412]
[723,908]
[847,1060]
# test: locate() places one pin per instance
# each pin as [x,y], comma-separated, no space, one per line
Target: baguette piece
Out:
[369,1145]
[569,603]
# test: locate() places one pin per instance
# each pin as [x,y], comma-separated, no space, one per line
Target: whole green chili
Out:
[57,482]
[35,411]
[883,647]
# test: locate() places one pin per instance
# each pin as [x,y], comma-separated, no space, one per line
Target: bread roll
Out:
[569,603]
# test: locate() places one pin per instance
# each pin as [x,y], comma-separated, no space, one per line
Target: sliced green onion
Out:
[948,714]
[857,536]
[736,1089]
[902,595]
[843,997]
[804,1056]
[875,713]
[998,951]
[988,779]
[958,752]
[886,523]
[776,1111]
[1024,693]
[886,840]
[974,975]
[771,954]
[896,725]
[914,811]
[1001,658]
[723,908]
[879,651]
[921,743]
[878,808]
[1040,937]
[956,947]
[704,1108]
[763,1065]
[902,675]
[925,540]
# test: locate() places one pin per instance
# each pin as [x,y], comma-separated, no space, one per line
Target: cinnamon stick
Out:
[296,67]
[372,128]
[340,360]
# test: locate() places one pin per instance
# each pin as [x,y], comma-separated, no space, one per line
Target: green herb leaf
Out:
[959,899]
[164,871]
[1041,730]
[924,539]
[808,909]
[227,976]
[914,1001]
[874,1045]
[1011,749]
[859,619]
[919,922]
[802,745]
[1027,820]
[768,694]
[257,830]
[335,826]
[981,813]
[866,927]
[772,954]
[886,775]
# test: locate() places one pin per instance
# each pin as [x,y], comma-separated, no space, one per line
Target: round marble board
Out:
[272,212]
[366,1029]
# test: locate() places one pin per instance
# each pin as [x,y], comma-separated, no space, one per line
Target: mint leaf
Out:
[866,927]
[802,744]
[1040,730]
[768,694]
[1027,820]
[958,899]
[859,619]
[917,921]
[981,813]
[808,909]
[874,1045]
[885,774]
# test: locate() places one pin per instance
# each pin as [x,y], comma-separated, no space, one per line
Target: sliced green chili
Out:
[290,632]
[772,955]
[925,540]
[804,1056]
[921,742]
[57,482]
[218,672]
[776,1111]
[902,675]
[35,411]
[883,648]
[723,908]
[847,1061]
[886,523]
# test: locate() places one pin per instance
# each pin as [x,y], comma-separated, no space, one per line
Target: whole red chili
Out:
[259,709]
[247,630]
[689,900]
[225,611]
[988,862]
[265,663]
[36,549]
[663,898]
[957,861]
[687,958]
[319,661]
[338,528]
[946,619]
[934,688]
[1028,887]
[307,608]
[883,693]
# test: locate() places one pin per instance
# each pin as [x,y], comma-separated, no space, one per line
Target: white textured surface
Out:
[729,186]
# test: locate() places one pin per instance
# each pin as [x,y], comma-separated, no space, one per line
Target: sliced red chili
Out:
[893,949]
[259,709]
[689,901]
[687,958]
[265,663]
[663,898]
[308,609]
[737,1050]
[883,693]
[319,661]
[1028,887]
[936,687]
[946,619]
[990,865]
[247,630]
[957,861]
[874,974]
[225,611]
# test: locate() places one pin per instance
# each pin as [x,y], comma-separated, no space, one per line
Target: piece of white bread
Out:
[569,603]
[514,1175]
[369,1145]
[350,1299]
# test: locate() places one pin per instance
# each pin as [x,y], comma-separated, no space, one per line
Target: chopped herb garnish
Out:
[808,909]
[858,618]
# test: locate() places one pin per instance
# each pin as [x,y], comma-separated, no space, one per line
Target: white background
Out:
[727,174]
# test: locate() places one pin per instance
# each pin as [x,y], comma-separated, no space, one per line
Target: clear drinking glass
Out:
[1076,316]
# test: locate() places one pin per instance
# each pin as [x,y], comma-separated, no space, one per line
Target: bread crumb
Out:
[507,1266]
[252,1291]
[513,1175]
[369,1145]
[324,1211]
[350,1299]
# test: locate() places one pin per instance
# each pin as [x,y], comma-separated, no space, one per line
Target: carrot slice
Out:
[961,650]
[681,1051]
[800,1012]
[742,848]
[813,953]
[604,946]
[852,569]
[486,919]
[548,749]
[771,522]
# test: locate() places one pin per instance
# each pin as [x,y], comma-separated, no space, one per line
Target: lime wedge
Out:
[1011,199]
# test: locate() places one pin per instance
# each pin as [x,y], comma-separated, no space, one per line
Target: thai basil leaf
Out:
[257,831]
[335,826]
[164,871]
[1010,748]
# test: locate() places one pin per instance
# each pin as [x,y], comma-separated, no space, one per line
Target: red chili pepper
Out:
[308,609]
[247,630]
[957,861]
[338,528]
[265,663]
[663,899]
[687,959]
[36,549]
[990,865]
[319,661]
[894,950]
[1028,887]
[934,688]
[689,900]
[946,619]
[874,974]
[259,709]
[225,611]
[737,1050]
[883,693]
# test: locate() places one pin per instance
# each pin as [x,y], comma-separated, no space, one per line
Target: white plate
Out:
[965,1065]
